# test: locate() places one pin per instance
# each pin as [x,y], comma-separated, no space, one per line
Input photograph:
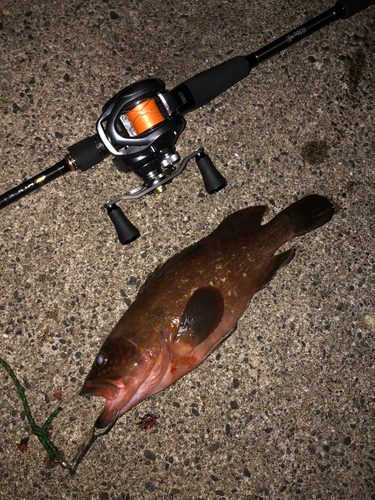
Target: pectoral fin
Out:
[201,316]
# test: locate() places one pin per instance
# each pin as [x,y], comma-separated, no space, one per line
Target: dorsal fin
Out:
[248,219]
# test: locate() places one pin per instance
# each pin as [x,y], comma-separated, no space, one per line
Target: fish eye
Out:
[101,359]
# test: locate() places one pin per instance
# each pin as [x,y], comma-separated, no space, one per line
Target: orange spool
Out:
[145,116]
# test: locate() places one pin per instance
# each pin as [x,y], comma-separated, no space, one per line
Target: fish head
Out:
[116,374]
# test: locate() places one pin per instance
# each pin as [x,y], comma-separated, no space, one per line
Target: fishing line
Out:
[144,116]
[42,432]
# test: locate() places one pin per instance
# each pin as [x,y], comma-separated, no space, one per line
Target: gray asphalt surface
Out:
[283,409]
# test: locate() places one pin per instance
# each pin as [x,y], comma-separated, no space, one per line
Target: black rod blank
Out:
[205,86]
[59,169]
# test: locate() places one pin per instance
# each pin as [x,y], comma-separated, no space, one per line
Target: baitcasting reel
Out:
[141,124]
[139,127]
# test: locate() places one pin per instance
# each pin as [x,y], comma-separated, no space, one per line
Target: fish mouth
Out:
[107,415]
[106,388]
[109,389]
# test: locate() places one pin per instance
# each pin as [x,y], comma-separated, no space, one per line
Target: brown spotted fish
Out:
[188,306]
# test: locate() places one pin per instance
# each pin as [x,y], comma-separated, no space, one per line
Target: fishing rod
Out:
[140,125]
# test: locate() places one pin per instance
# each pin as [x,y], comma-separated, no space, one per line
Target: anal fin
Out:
[277,262]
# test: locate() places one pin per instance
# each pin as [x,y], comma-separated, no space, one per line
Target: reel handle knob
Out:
[126,231]
[212,178]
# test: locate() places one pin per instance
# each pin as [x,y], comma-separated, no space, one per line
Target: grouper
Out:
[189,305]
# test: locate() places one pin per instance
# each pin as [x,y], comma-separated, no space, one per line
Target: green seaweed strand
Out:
[40,432]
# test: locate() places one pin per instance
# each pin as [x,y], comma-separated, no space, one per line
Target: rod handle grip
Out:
[205,86]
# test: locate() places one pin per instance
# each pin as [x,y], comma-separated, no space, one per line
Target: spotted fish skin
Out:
[190,304]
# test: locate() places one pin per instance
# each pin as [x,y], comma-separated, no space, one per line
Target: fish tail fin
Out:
[308,214]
